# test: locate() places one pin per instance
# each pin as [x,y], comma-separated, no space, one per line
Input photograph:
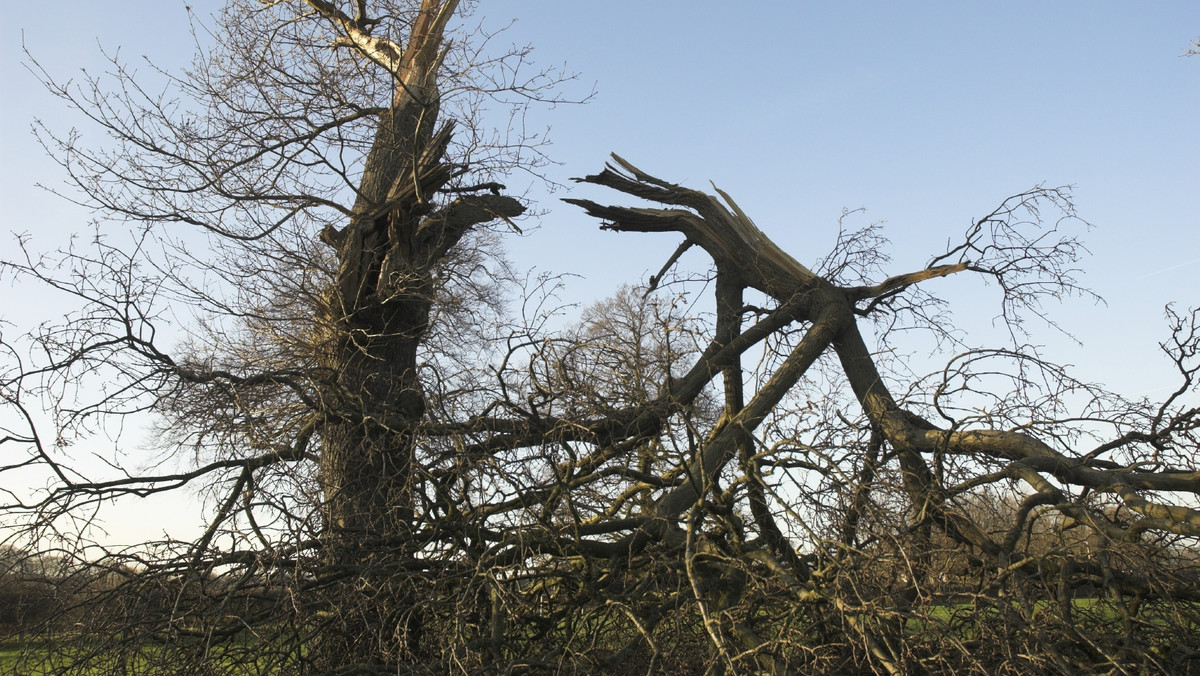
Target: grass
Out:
[33,658]
[10,652]
[934,627]
[1090,614]
[15,654]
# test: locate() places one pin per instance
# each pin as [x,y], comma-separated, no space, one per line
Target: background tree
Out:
[405,476]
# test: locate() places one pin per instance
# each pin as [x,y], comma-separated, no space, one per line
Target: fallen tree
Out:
[909,511]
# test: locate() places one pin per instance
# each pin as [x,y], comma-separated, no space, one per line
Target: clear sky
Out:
[927,114]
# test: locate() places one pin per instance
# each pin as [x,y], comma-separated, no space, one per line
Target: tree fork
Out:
[728,235]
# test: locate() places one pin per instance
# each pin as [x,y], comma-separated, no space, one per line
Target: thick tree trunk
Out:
[367,479]
[377,321]
[377,318]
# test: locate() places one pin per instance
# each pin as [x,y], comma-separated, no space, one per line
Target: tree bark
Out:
[377,316]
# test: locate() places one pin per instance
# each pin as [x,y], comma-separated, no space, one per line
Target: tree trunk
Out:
[377,317]
[368,449]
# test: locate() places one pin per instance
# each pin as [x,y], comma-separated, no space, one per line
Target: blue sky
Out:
[927,114]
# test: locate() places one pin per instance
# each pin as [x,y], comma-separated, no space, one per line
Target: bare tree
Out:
[334,155]
[406,473]
[952,528]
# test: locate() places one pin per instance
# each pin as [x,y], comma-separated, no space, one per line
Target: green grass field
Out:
[19,658]
[935,628]
[11,653]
